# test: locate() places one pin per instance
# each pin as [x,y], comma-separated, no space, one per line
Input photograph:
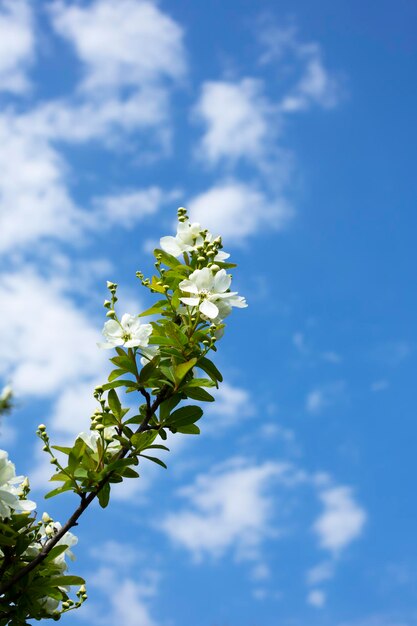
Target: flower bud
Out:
[54,460]
[25,483]
[46,518]
[214,267]
[107,304]
[41,427]
[111,314]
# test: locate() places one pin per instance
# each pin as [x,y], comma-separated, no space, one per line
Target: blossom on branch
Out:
[11,489]
[129,332]
[209,292]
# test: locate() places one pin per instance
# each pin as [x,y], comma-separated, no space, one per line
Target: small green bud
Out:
[46,518]
[111,314]
[107,304]
[42,427]
[45,448]
[201,259]
[214,267]
[54,460]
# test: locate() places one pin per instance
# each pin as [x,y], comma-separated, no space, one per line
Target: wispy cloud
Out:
[315,85]
[123,43]
[17,45]
[342,520]
[322,397]
[238,210]
[229,508]
[237,120]
[129,596]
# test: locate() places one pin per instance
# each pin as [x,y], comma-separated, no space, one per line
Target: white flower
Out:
[209,292]
[148,354]
[129,332]
[93,436]
[6,394]
[10,489]
[190,235]
[49,604]
[69,540]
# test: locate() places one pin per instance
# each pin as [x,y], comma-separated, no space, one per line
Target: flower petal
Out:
[190,301]
[188,286]
[222,281]
[170,245]
[209,309]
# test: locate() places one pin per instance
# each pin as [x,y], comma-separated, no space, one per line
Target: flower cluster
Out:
[12,489]
[205,291]
[190,237]
[209,292]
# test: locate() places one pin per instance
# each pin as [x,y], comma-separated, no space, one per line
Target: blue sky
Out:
[290,130]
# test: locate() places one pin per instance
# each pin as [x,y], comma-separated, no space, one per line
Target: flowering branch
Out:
[165,361]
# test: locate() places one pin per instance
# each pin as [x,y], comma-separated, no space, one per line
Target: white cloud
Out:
[34,201]
[127,208]
[322,397]
[321,572]
[237,117]
[342,520]
[315,84]
[122,42]
[229,508]
[316,598]
[379,385]
[231,406]
[47,342]
[17,45]
[127,597]
[238,210]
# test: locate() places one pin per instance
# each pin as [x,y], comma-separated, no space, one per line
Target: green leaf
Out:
[63,449]
[76,453]
[104,496]
[55,551]
[148,370]
[64,581]
[123,362]
[168,405]
[114,403]
[155,308]
[167,259]
[115,374]
[168,372]
[201,382]
[156,285]
[141,441]
[185,415]
[154,460]
[198,393]
[181,370]
[55,492]
[210,369]
[128,472]
[7,541]
[126,382]
[159,340]
[191,429]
